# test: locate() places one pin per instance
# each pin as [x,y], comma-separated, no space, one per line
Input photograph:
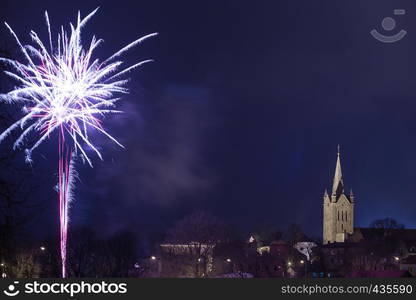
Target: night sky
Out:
[242,111]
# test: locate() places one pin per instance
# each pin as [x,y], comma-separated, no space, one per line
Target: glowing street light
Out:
[302,261]
[396,258]
[153,257]
[45,252]
[228,260]
[289,263]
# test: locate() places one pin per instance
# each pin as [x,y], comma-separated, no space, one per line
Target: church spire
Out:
[338,185]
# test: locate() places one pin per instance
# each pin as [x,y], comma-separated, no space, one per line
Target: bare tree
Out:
[295,234]
[27,265]
[90,256]
[83,244]
[387,223]
[191,242]
[17,206]
[122,247]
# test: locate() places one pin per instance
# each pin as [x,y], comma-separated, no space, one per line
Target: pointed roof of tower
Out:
[338,185]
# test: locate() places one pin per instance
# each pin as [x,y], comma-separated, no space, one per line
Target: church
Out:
[338,209]
[393,249]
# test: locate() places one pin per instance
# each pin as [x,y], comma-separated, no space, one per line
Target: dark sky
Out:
[242,111]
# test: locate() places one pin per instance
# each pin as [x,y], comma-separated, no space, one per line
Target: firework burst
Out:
[62,87]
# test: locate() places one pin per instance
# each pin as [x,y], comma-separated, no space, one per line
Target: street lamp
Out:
[228,260]
[44,250]
[48,267]
[302,262]
[153,257]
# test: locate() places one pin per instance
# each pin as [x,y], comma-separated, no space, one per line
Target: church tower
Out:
[338,209]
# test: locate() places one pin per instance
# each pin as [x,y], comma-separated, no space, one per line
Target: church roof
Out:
[338,184]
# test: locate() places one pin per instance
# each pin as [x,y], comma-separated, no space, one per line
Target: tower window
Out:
[338,215]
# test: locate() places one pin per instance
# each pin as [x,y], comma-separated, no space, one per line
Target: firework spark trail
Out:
[65,89]
[66,181]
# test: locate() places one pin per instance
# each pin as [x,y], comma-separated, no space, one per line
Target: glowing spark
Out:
[65,89]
